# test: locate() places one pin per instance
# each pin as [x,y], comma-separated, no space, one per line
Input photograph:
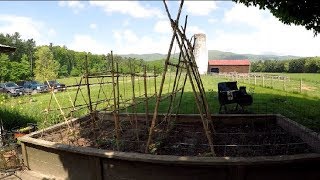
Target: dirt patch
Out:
[184,139]
[308,88]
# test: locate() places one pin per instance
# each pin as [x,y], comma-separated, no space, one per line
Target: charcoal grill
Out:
[229,93]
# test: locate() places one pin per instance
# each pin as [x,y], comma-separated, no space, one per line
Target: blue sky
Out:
[143,27]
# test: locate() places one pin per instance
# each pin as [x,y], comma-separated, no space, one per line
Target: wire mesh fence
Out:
[283,83]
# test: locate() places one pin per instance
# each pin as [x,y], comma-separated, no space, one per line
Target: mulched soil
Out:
[184,139]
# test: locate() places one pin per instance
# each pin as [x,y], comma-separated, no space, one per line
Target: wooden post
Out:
[300,85]
[284,83]
[255,80]
[272,81]
[263,81]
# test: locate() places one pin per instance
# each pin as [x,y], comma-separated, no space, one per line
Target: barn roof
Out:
[231,62]
[5,48]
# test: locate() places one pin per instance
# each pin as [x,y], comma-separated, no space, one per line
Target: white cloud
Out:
[126,23]
[131,8]
[194,30]
[200,8]
[212,20]
[264,33]
[86,43]
[127,41]
[27,27]
[76,6]
[93,26]
[162,26]
[52,32]
[251,16]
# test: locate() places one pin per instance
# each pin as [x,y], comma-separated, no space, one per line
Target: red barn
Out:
[227,66]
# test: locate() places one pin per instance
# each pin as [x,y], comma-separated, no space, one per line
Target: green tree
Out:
[4,67]
[20,71]
[46,66]
[312,65]
[297,66]
[25,68]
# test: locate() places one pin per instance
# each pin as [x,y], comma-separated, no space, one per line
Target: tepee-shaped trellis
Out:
[185,68]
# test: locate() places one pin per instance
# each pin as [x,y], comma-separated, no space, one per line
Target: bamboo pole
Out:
[155,114]
[190,69]
[87,84]
[155,81]
[60,108]
[92,113]
[146,95]
[134,107]
[76,97]
[118,88]
[115,112]
[175,87]
[198,101]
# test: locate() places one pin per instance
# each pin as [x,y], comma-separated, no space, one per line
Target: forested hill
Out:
[215,54]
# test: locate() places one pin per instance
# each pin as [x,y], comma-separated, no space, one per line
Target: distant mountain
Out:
[146,57]
[214,54]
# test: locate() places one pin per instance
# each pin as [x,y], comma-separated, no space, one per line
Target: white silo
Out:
[201,53]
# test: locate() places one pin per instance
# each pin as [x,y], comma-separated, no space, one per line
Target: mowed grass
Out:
[18,111]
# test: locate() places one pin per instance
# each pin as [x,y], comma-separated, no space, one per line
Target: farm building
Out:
[6,49]
[227,66]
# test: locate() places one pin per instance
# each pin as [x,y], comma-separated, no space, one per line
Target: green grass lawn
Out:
[18,111]
[310,82]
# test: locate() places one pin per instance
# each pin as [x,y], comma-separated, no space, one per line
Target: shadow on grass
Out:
[13,118]
[304,110]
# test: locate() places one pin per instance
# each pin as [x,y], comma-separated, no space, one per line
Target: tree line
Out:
[30,62]
[50,62]
[301,65]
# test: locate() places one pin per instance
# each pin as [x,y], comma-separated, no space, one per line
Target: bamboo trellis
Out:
[186,65]
[112,100]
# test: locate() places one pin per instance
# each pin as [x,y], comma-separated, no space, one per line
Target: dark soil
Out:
[184,139]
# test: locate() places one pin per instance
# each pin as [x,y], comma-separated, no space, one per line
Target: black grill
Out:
[229,94]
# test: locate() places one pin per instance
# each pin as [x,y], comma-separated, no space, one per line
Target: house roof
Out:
[231,62]
[5,48]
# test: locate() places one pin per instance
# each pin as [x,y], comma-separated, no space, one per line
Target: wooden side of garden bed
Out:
[70,162]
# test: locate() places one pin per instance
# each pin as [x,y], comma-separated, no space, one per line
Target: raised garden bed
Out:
[246,146]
